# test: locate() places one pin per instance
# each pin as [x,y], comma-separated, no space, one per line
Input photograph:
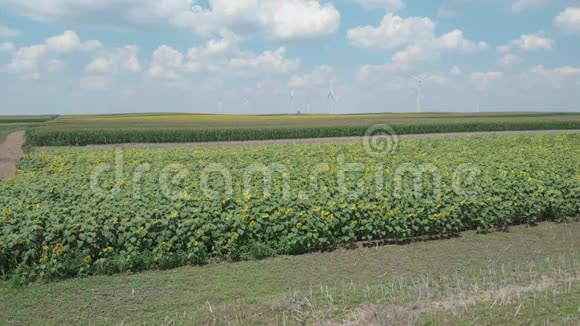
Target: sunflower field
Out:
[81,212]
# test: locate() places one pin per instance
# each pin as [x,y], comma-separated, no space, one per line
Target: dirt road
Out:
[10,153]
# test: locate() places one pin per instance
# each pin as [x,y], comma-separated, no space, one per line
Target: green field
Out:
[56,223]
[71,130]
[12,123]
[457,230]
[473,279]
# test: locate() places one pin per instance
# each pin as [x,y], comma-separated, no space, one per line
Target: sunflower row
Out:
[81,212]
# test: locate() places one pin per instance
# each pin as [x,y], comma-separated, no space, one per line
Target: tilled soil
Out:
[10,153]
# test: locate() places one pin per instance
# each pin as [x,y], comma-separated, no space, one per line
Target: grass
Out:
[555,306]
[345,285]
[154,128]
[13,123]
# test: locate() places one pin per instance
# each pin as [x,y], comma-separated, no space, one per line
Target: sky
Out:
[281,56]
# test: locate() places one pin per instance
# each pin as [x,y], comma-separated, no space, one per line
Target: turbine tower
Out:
[248,106]
[332,96]
[292,94]
[419,83]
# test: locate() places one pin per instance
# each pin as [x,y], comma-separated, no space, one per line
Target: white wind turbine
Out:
[292,96]
[248,105]
[332,96]
[419,81]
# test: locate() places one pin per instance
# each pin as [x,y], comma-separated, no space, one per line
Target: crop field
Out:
[11,123]
[73,212]
[525,276]
[72,130]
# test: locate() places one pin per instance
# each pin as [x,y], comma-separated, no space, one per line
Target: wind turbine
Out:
[419,83]
[332,96]
[248,105]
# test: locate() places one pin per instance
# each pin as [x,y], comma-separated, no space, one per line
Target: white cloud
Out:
[392,32]
[55,65]
[436,79]
[26,61]
[522,5]
[321,75]
[455,71]
[415,34]
[117,60]
[227,45]
[94,83]
[558,71]
[482,79]
[283,19]
[8,32]
[428,50]
[528,42]
[455,40]
[556,77]
[167,63]
[509,59]
[6,47]
[569,20]
[388,5]
[69,41]
[378,72]
[267,62]
[302,19]
[220,57]
[211,56]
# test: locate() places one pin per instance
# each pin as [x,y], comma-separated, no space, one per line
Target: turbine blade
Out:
[415,77]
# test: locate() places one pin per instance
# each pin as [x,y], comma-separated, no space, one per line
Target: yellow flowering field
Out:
[80,212]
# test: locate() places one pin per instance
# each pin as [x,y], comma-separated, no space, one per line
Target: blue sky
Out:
[246,56]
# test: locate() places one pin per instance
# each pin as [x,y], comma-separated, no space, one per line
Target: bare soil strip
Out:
[10,153]
[314,140]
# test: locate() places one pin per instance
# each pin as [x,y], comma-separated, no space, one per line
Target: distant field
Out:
[12,123]
[5,119]
[155,128]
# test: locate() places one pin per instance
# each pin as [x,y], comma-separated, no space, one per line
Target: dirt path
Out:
[10,152]
[317,140]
